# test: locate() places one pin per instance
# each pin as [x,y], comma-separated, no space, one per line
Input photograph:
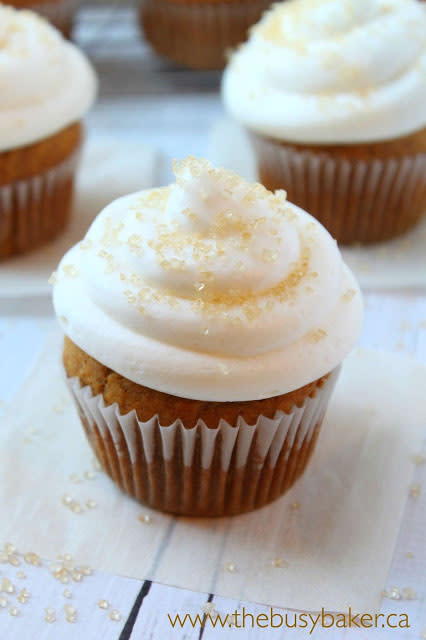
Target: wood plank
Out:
[47,592]
[161,602]
[392,321]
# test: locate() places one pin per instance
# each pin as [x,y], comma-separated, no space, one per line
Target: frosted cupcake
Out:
[205,325]
[198,33]
[47,85]
[334,95]
[59,12]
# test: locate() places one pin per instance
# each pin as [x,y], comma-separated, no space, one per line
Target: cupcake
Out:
[205,325]
[59,12]
[334,96]
[198,33]
[47,85]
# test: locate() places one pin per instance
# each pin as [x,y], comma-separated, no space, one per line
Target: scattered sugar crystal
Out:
[53,278]
[394,593]
[14,560]
[208,608]
[408,593]
[70,270]
[145,518]
[419,458]
[115,615]
[70,610]
[349,295]
[7,586]
[318,335]
[279,563]
[415,490]
[50,615]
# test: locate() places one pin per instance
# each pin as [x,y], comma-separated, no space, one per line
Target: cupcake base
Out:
[36,187]
[225,466]
[198,34]
[360,193]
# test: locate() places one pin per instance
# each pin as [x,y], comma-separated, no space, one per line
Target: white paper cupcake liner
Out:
[36,209]
[199,470]
[198,34]
[357,200]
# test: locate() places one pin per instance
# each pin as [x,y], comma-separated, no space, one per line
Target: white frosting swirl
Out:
[46,83]
[210,288]
[332,71]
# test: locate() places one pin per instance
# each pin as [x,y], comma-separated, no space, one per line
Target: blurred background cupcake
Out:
[334,95]
[198,33]
[206,322]
[60,13]
[47,87]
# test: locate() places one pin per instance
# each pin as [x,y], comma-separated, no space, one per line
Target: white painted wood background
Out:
[132,76]
[393,321]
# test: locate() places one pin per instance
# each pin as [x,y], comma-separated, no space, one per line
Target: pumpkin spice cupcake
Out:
[205,325]
[198,33]
[336,118]
[47,86]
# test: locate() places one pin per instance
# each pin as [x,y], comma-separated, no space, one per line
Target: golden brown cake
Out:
[168,485]
[198,33]
[205,325]
[40,129]
[26,223]
[130,396]
[360,193]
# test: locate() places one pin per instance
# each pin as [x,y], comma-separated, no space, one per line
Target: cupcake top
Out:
[332,71]
[46,83]
[211,288]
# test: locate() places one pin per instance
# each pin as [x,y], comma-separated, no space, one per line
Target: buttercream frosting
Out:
[211,288]
[46,83]
[332,71]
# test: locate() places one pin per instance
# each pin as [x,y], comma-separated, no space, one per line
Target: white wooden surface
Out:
[395,322]
[131,75]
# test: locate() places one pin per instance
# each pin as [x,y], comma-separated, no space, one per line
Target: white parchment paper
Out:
[336,547]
